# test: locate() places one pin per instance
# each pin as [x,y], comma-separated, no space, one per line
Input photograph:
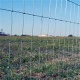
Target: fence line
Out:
[61,49]
[40,16]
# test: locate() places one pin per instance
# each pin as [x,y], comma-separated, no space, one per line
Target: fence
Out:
[43,40]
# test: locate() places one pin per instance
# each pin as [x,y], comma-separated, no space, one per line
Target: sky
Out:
[58,9]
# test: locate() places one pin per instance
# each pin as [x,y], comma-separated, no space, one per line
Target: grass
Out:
[50,58]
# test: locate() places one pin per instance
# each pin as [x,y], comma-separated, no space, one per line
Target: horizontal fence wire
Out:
[73,2]
[39,16]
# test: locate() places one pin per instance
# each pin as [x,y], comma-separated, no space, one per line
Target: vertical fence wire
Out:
[69,39]
[75,47]
[9,56]
[40,56]
[59,39]
[49,10]
[61,4]
[56,39]
[23,16]
[21,43]
[32,43]
[64,40]
[53,39]
[77,44]
[78,39]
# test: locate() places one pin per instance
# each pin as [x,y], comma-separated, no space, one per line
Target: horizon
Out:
[40,35]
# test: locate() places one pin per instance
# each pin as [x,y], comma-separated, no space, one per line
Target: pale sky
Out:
[57,10]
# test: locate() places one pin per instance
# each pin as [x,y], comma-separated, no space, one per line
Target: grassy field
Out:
[34,58]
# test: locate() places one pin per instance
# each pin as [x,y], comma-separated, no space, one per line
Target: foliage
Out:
[49,57]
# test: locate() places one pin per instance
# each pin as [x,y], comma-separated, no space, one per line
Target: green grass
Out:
[49,50]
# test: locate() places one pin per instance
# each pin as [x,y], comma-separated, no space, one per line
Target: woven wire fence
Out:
[51,48]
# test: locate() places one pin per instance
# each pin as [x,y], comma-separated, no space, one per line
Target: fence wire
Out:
[42,57]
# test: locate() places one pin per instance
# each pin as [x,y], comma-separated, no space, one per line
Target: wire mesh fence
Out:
[42,42]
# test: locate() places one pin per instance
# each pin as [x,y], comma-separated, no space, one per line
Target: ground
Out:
[52,58]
